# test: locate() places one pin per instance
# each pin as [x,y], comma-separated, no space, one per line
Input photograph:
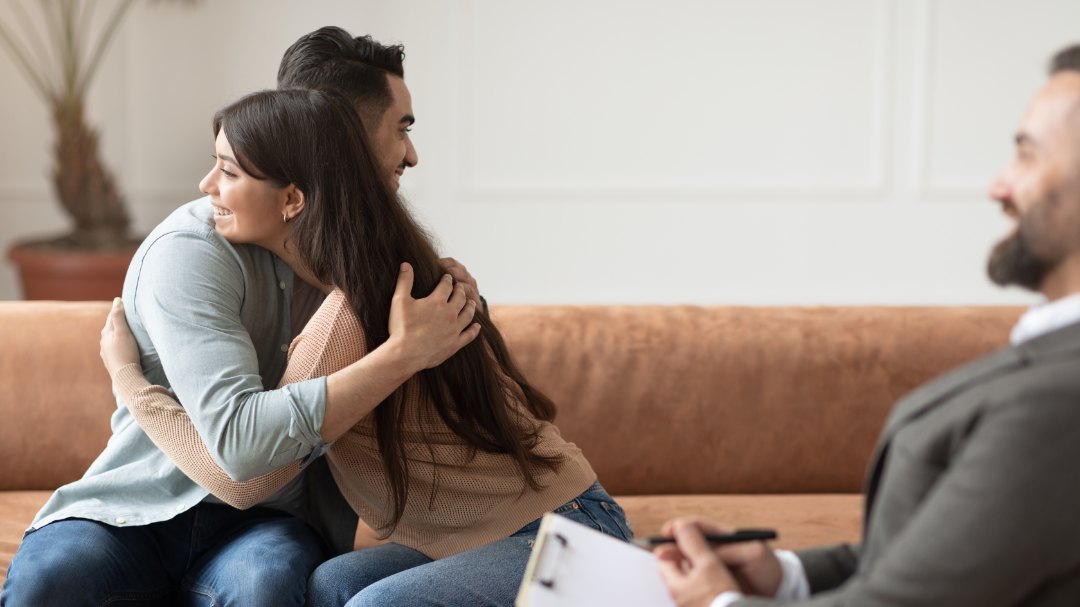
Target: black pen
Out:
[741,535]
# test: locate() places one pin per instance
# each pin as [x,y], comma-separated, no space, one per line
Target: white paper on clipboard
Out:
[572,564]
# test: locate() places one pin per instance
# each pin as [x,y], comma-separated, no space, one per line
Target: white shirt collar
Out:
[1046,317]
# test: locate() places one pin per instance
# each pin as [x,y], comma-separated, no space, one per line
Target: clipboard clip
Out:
[546,557]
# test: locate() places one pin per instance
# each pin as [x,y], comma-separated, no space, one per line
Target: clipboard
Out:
[572,564]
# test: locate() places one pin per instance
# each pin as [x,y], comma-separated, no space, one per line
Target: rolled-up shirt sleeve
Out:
[188,299]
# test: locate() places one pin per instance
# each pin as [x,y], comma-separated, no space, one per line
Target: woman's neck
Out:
[299,268]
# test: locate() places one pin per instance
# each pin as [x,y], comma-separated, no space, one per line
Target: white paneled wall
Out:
[623,151]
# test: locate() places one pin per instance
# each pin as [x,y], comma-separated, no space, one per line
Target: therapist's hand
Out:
[753,565]
[425,332]
[692,572]
[118,347]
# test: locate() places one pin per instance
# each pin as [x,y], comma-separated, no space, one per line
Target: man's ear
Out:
[294,200]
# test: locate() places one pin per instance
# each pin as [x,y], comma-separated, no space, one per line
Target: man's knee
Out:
[263,582]
[70,559]
[268,564]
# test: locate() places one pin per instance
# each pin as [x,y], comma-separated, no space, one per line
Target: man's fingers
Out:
[458,299]
[692,543]
[456,269]
[668,528]
[741,553]
[452,266]
[469,334]
[671,571]
[444,289]
[466,314]
[404,281]
[667,551]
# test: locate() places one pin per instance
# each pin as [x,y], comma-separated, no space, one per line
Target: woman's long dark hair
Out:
[354,233]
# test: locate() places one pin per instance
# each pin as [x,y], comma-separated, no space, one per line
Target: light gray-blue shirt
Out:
[213,325]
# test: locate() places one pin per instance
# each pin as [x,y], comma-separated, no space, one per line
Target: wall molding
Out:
[876,185]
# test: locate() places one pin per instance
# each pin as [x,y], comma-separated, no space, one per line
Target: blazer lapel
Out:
[926,397]
[952,383]
[1064,342]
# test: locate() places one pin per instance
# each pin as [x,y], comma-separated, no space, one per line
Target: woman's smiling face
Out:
[246,209]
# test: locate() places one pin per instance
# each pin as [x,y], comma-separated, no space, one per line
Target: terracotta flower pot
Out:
[70,275]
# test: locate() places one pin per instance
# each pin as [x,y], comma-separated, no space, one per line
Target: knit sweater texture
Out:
[459,497]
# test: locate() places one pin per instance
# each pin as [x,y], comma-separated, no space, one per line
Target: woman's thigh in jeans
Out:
[485,576]
[489,575]
[339,579]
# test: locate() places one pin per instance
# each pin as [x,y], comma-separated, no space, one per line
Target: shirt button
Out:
[120,520]
[284,347]
[282,285]
[180,508]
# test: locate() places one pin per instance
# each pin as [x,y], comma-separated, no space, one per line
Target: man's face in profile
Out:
[394,150]
[1040,188]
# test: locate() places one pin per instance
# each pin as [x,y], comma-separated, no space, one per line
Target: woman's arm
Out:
[331,345]
[167,423]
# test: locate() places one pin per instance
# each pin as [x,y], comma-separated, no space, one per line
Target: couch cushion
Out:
[17,509]
[800,520]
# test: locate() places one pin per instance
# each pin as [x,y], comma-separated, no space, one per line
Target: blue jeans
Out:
[209,555]
[393,574]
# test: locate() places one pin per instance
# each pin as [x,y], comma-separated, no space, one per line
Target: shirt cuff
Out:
[726,599]
[793,583]
[318,451]
[306,402]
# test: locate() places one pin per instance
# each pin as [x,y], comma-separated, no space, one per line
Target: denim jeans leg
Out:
[80,562]
[342,577]
[249,557]
[488,576]
[595,508]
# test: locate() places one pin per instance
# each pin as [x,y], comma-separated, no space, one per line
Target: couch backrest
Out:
[55,400]
[661,399]
[691,400]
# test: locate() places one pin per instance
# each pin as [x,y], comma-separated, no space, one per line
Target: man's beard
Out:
[1012,262]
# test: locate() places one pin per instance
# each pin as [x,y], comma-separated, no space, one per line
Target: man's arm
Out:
[189,299]
[332,341]
[999,523]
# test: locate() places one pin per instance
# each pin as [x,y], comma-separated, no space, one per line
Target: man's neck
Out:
[1063,280]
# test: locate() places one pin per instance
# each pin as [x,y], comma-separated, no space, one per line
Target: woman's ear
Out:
[294,201]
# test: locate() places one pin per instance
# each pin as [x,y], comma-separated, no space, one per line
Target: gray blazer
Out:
[971,498]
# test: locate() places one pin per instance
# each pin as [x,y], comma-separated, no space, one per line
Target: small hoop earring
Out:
[285,217]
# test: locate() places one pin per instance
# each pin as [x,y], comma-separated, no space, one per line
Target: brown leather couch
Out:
[756,416]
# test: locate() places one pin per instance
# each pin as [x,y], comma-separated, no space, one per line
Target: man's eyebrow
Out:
[407,119]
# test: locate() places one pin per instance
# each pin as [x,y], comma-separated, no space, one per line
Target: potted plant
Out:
[88,262]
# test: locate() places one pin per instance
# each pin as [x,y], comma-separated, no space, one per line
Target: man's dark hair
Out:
[1067,59]
[332,59]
